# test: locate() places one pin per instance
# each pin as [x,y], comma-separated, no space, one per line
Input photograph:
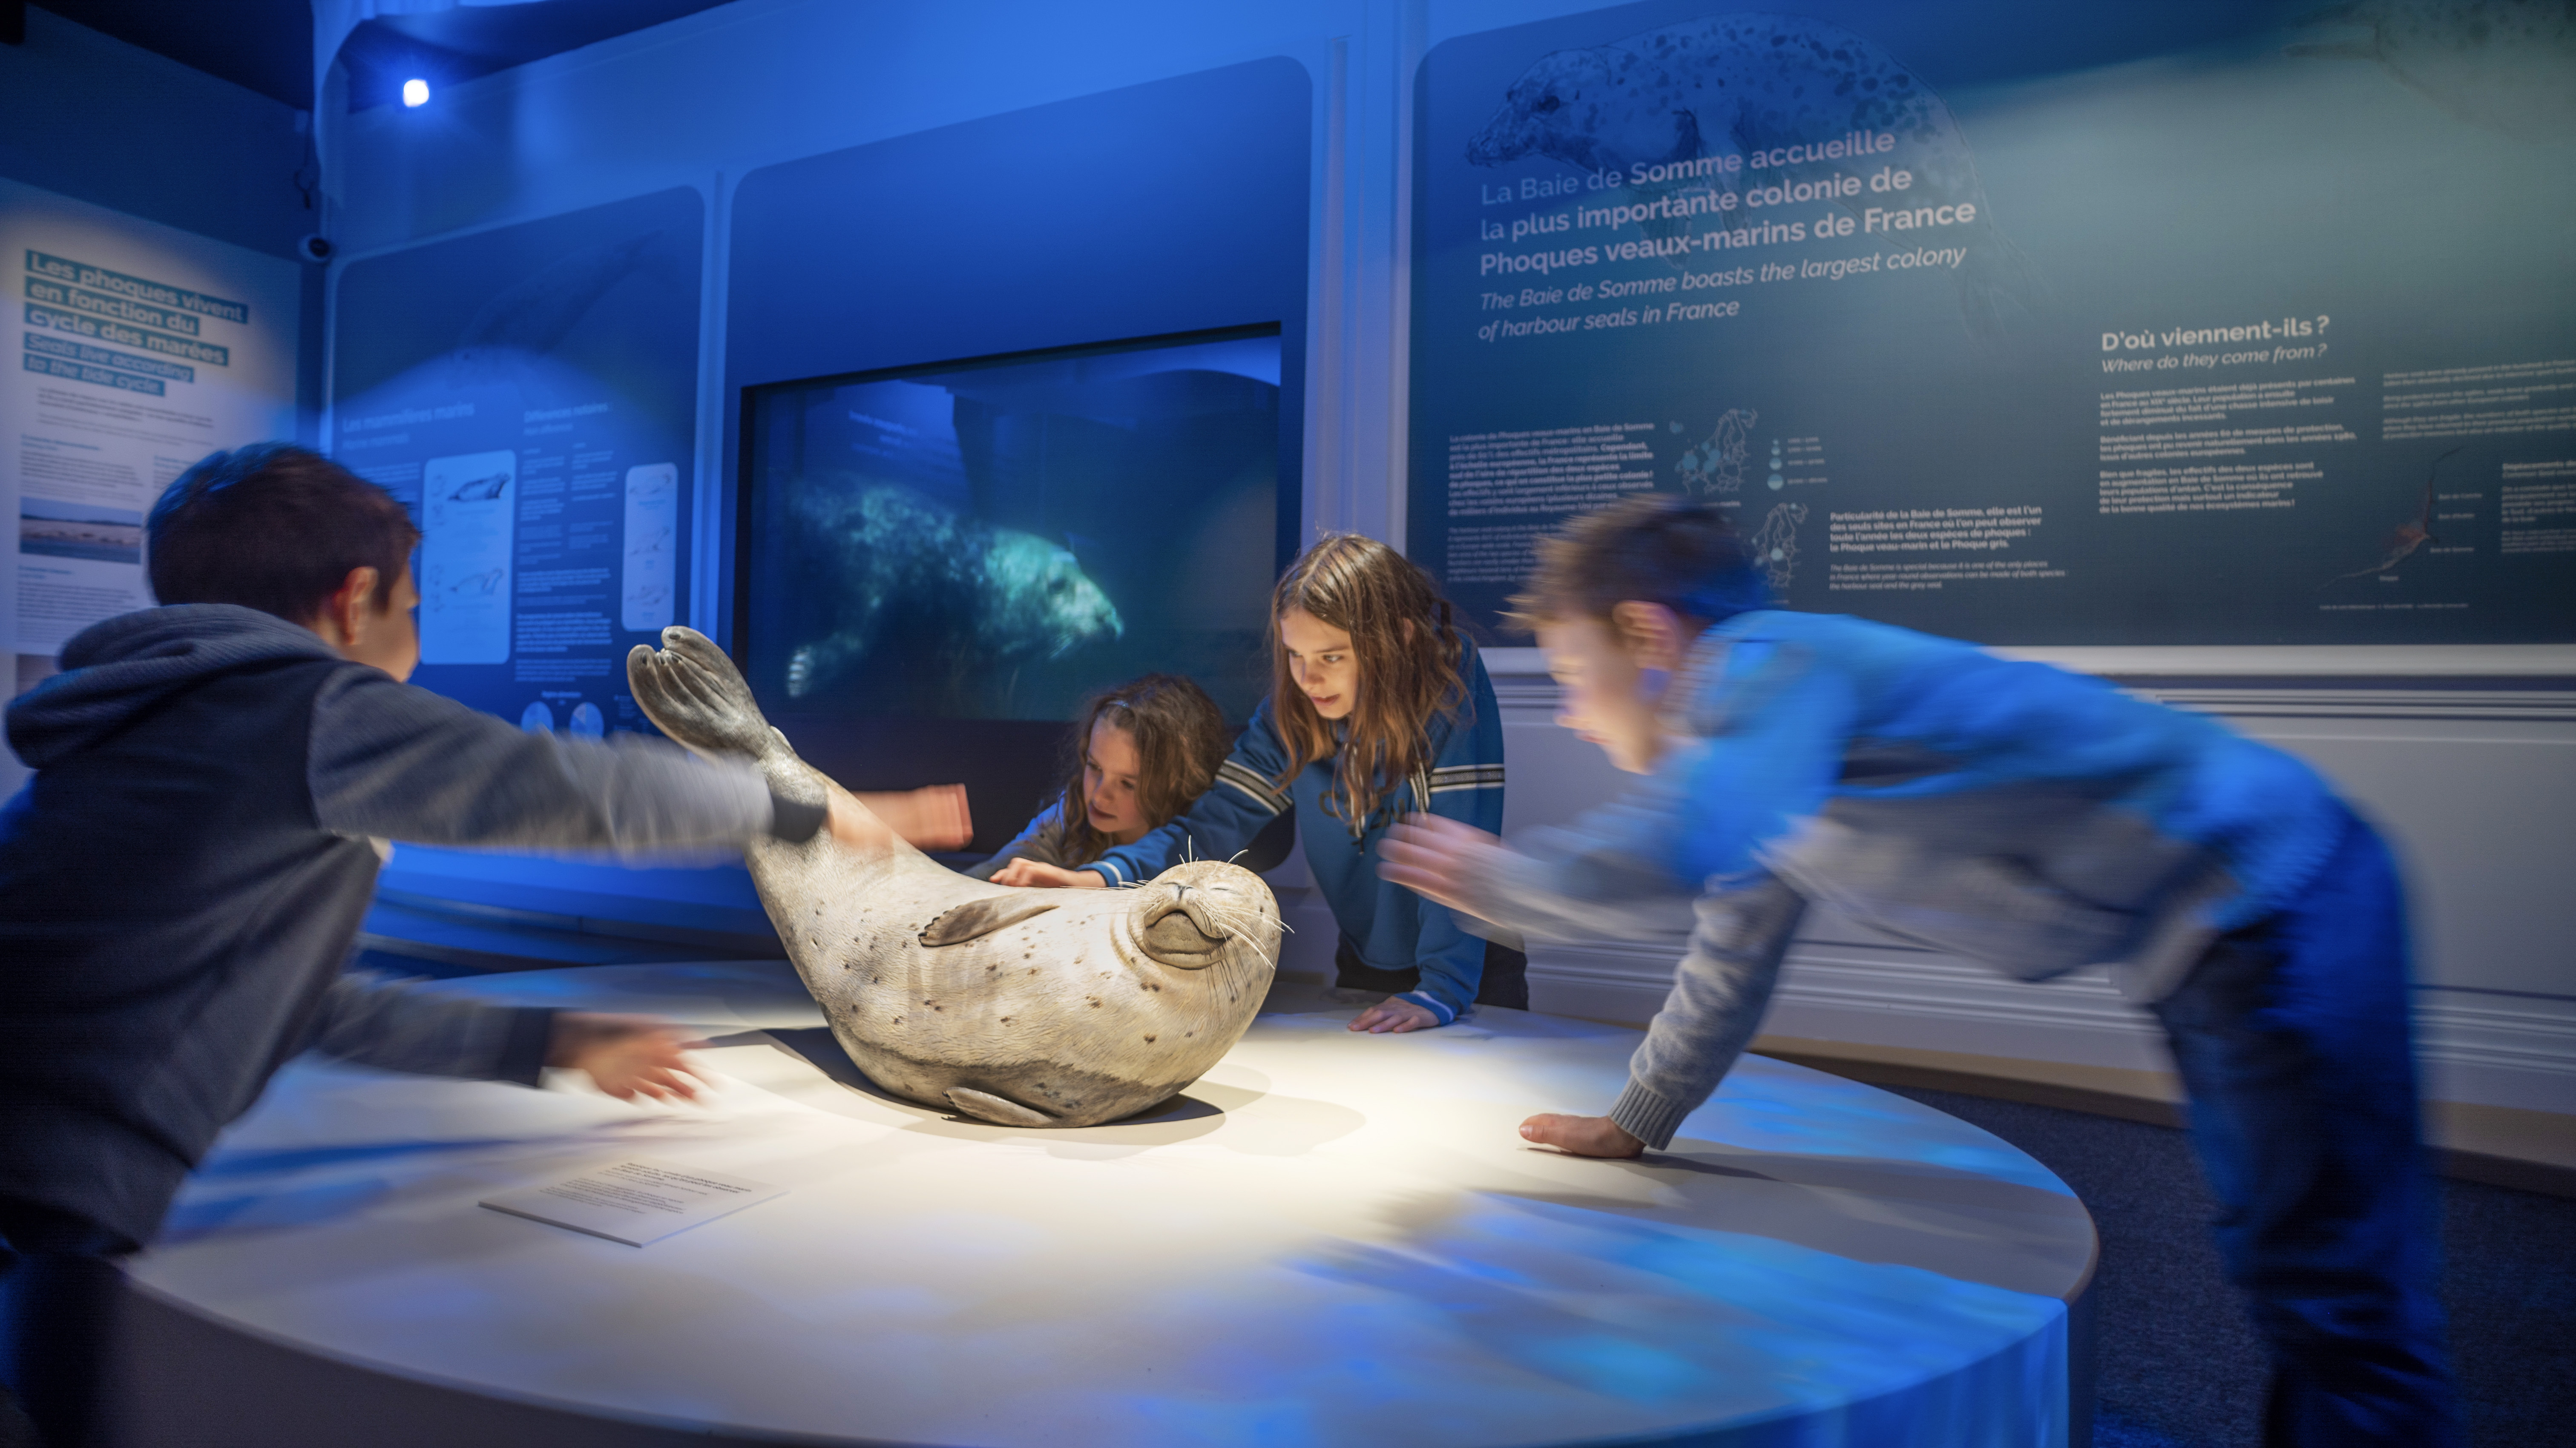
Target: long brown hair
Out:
[1410,659]
[1180,737]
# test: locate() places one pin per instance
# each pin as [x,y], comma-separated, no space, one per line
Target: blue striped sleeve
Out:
[1464,783]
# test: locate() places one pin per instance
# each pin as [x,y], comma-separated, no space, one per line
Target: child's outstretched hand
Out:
[626,1056]
[1025,871]
[1582,1135]
[854,826]
[1438,859]
[931,818]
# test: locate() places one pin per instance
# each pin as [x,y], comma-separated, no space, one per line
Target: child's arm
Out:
[626,1056]
[1042,843]
[933,817]
[1465,786]
[401,763]
[395,1025]
[1720,988]
[1769,741]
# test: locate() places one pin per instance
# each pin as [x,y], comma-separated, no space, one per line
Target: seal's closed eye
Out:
[981,917]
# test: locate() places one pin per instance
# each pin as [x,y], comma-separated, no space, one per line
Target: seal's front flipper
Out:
[982,917]
[986,1107]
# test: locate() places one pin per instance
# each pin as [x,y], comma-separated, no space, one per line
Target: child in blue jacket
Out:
[2010,813]
[1379,710]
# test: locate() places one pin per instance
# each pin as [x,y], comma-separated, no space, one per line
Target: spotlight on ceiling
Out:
[415,92]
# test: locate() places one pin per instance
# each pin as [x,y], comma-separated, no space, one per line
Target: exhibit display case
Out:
[1329,1238]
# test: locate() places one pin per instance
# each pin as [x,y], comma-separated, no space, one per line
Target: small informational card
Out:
[635,1202]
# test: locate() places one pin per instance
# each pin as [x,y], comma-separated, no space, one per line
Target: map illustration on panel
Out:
[1775,545]
[1717,464]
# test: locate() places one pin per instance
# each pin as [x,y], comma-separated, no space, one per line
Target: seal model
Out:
[1018,1007]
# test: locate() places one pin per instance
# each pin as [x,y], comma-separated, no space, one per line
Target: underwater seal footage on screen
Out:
[1019,1007]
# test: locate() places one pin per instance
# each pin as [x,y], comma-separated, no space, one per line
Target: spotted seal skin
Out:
[1750,82]
[1018,1007]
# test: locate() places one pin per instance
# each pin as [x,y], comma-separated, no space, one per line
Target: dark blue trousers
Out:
[62,1280]
[2292,1039]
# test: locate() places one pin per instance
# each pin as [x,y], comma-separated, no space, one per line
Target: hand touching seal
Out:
[1025,871]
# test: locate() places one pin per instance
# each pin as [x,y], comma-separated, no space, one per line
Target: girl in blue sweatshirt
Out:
[1379,710]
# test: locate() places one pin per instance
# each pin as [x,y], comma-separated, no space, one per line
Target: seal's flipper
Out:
[982,917]
[694,694]
[985,1107]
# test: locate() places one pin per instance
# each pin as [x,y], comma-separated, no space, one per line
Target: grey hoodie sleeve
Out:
[375,1020]
[400,763]
[1737,934]
[1720,991]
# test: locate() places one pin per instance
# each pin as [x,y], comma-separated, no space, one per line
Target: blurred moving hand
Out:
[626,1056]
[1439,859]
[933,817]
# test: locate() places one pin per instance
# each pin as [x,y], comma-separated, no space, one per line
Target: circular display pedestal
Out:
[1332,1238]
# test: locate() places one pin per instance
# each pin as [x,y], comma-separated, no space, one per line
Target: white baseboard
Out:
[2514,1052]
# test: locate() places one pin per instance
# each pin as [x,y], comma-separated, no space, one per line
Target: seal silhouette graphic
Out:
[1018,1007]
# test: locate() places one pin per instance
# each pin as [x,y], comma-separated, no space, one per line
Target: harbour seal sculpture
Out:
[1018,1007]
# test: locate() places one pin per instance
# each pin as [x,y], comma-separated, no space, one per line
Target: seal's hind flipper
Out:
[982,917]
[694,694]
[986,1107]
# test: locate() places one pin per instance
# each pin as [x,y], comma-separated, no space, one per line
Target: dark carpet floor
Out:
[2179,1365]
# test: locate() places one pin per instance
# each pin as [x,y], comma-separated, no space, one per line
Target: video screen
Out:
[995,539]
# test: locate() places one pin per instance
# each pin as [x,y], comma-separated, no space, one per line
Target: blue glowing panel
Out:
[2130,324]
[1174,207]
[529,393]
[973,541]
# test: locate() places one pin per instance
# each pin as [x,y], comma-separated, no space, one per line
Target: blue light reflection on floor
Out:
[1665,1326]
[1858,1123]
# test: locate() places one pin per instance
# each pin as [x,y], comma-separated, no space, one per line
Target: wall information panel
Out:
[140,350]
[2116,325]
[529,392]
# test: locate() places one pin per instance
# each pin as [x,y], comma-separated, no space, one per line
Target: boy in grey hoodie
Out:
[183,878]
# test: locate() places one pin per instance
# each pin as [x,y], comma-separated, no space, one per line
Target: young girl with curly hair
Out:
[1142,751]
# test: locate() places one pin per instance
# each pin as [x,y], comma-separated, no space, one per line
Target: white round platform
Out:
[1332,1239]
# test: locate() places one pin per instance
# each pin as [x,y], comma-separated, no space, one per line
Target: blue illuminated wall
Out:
[1179,206]
[530,393]
[2092,327]
[1176,205]
[89,116]
[733,101]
